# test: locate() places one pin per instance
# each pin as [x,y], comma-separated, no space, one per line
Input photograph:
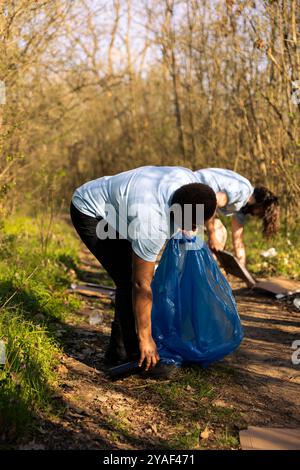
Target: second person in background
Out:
[237,197]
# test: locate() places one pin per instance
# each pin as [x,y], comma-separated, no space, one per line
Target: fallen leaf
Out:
[206,433]
[220,403]
[154,428]
[63,370]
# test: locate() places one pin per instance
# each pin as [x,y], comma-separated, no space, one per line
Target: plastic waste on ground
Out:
[95,318]
[296,302]
[194,314]
[270,253]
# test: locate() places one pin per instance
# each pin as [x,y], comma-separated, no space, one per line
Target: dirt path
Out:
[267,384]
[257,385]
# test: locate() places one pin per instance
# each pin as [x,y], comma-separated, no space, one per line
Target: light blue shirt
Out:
[145,193]
[237,188]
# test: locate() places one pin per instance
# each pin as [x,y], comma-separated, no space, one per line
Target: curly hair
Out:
[196,193]
[271,211]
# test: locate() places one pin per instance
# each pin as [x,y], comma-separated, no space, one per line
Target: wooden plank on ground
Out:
[256,438]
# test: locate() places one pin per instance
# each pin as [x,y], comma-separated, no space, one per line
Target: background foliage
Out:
[94,88]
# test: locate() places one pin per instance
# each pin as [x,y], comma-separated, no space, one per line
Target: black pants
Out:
[115,255]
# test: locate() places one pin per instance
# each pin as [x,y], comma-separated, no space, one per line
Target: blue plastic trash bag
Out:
[194,314]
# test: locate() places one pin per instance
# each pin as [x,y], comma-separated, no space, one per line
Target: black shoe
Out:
[113,360]
[161,371]
[123,370]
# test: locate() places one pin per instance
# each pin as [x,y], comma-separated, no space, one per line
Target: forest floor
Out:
[200,409]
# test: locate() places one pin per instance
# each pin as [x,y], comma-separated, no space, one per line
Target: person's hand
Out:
[215,245]
[148,352]
[190,233]
[240,255]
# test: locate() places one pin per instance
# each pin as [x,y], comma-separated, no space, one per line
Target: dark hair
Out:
[193,194]
[271,211]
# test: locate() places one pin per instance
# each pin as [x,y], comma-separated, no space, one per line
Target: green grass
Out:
[286,243]
[226,440]
[28,377]
[189,404]
[33,301]
[35,271]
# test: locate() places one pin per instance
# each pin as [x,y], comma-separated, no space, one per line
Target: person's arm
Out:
[213,242]
[142,304]
[238,240]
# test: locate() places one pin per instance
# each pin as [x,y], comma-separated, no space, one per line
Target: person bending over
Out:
[124,221]
[236,197]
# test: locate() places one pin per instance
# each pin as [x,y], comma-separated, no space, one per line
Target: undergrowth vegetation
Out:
[33,302]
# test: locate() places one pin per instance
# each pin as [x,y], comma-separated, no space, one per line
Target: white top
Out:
[136,204]
[237,188]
